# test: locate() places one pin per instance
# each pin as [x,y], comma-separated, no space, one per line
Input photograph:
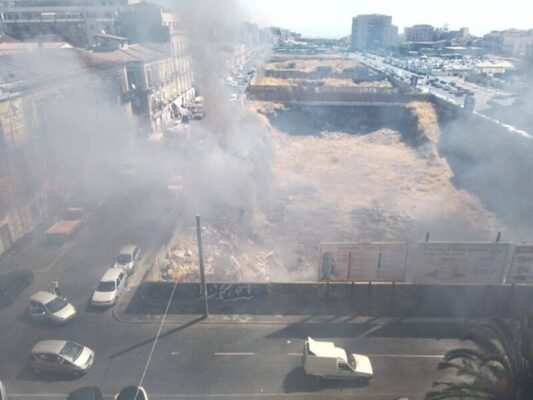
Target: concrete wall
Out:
[365,299]
[356,94]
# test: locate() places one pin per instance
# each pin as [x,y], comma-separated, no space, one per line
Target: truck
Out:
[68,225]
[324,360]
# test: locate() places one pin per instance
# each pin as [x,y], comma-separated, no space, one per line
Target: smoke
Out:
[227,162]
[493,163]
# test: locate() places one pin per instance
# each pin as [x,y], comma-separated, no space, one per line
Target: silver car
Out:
[61,356]
[46,306]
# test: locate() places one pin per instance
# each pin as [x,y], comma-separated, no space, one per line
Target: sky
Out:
[332,18]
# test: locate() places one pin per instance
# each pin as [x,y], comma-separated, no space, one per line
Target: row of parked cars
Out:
[49,307]
[66,356]
[450,87]
[94,393]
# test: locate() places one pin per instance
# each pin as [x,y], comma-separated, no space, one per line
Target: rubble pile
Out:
[227,257]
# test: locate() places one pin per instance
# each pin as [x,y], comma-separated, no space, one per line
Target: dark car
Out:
[86,393]
[12,284]
[132,393]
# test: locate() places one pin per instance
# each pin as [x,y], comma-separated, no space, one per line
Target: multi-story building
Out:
[22,182]
[373,31]
[159,77]
[48,133]
[511,42]
[419,33]
[73,21]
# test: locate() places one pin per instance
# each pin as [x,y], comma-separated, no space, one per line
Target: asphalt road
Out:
[201,360]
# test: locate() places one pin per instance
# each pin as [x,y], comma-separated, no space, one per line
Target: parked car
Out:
[70,223]
[3,395]
[12,284]
[46,306]
[86,393]
[127,258]
[111,286]
[132,393]
[324,360]
[61,356]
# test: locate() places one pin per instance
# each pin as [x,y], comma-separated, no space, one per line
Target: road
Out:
[482,95]
[223,361]
[198,359]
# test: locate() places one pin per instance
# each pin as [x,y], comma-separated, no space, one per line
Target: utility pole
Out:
[203,283]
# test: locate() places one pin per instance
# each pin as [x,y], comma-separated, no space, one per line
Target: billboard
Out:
[521,270]
[441,262]
[362,261]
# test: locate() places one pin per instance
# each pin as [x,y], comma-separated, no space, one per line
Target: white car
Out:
[132,393]
[127,258]
[46,306]
[111,286]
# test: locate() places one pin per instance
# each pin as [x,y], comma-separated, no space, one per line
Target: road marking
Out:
[234,354]
[406,355]
[56,259]
[352,395]
[174,353]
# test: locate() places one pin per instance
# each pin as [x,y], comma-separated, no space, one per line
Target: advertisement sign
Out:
[362,262]
[482,263]
[521,270]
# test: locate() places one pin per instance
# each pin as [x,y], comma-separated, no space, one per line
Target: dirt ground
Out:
[373,187]
[338,187]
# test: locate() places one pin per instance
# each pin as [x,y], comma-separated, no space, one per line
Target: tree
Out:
[499,365]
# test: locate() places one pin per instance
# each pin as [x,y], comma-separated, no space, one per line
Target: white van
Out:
[324,360]
[111,286]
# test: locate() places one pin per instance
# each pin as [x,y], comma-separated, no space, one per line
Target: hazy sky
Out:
[333,17]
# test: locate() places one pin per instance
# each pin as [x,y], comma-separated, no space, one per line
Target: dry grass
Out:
[310,65]
[428,121]
[268,81]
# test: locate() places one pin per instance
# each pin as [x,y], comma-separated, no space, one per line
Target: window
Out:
[344,368]
[2,137]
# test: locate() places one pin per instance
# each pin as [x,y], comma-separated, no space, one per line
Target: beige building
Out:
[45,135]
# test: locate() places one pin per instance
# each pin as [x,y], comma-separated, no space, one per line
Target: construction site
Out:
[355,158]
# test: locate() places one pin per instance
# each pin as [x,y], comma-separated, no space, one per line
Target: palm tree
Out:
[499,365]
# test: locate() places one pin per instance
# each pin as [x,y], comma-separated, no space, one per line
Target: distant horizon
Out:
[333,19]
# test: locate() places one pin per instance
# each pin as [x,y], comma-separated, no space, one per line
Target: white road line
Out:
[234,354]
[294,354]
[174,353]
[405,355]
[56,259]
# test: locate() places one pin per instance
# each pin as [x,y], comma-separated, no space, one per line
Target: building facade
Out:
[49,136]
[373,31]
[73,21]
[419,33]
[512,42]
[23,200]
